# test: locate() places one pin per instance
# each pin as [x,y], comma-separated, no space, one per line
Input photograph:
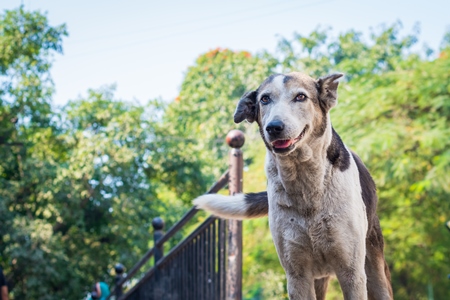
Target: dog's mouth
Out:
[286,145]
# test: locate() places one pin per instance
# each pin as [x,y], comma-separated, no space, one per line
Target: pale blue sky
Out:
[145,47]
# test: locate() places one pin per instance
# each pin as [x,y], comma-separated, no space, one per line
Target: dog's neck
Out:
[302,174]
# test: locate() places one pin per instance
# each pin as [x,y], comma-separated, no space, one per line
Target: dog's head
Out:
[289,109]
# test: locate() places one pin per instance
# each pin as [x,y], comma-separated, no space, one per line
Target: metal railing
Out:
[207,264]
[194,269]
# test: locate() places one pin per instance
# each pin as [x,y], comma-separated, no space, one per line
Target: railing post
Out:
[235,139]
[158,226]
[119,268]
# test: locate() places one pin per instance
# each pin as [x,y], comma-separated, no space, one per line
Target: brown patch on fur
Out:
[261,130]
[377,270]
[256,204]
[287,78]
[368,191]
[320,122]
[321,286]
[337,154]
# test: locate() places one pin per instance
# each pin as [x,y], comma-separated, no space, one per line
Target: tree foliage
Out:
[320,53]
[201,116]
[403,119]
[78,186]
[27,42]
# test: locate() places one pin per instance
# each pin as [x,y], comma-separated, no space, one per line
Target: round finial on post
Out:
[235,138]
[158,223]
[119,268]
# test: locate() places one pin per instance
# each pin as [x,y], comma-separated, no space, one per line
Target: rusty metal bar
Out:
[235,139]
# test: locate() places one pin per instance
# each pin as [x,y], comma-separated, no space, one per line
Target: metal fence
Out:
[194,269]
[207,264]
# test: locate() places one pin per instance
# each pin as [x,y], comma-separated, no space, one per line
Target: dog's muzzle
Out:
[286,145]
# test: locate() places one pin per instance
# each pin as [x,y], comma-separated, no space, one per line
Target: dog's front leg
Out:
[294,252]
[349,269]
[353,284]
[297,264]
[345,250]
[300,287]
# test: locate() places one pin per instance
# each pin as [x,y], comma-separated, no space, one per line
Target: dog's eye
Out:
[265,100]
[300,98]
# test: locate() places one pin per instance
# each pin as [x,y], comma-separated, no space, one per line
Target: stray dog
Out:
[321,199]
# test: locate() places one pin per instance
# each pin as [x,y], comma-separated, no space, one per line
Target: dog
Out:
[320,199]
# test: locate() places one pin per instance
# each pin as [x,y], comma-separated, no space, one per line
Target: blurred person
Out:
[100,291]
[3,286]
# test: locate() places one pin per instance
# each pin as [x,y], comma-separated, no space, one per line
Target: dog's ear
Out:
[327,87]
[246,108]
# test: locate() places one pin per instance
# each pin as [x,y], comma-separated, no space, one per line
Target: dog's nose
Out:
[275,127]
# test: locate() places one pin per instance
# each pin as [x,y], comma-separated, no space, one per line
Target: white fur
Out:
[226,207]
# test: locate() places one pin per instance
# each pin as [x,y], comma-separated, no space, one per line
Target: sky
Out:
[146,47]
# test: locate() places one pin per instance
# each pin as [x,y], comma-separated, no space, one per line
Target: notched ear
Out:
[246,108]
[327,87]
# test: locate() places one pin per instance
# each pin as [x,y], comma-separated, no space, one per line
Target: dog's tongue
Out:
[281,144]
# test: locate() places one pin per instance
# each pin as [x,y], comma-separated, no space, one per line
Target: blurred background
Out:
[113,113]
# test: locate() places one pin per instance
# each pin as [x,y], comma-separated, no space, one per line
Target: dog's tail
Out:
[239,206]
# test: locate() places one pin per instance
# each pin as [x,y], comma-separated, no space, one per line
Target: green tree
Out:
[78,186]
[201,116]
[403,121]
[318,53]
[27,43]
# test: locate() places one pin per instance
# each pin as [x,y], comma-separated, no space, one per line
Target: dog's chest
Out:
[297,236]
[314,221]
[307,225]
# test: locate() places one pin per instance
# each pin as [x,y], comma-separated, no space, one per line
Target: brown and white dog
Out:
[321,199]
